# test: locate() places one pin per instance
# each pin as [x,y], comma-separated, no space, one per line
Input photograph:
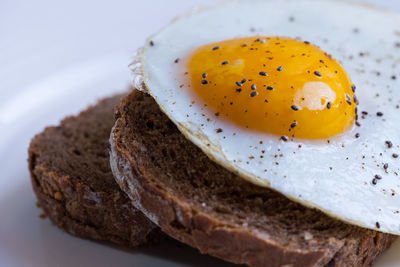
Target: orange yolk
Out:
[275,85]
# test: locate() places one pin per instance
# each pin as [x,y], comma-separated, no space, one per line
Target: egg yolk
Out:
[275,85]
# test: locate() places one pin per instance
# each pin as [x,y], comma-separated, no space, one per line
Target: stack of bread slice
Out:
[122,172]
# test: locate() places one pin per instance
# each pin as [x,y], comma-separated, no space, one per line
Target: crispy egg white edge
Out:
[216,153]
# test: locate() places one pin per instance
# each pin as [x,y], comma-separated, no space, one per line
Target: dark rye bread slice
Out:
[72,179]
[205,206]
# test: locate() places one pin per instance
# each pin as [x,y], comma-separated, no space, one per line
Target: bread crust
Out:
[201,229]
[83,206]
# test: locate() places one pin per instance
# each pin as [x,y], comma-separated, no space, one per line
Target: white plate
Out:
[60,58]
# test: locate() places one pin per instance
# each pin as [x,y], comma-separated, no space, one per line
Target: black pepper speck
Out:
[389,144]
[295,108]
[348,99]
[253,94]
[317,73]
[355,100]
[386,166]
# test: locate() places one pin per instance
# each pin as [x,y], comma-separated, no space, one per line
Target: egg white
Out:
[332,175]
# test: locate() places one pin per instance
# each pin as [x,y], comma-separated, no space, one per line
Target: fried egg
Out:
[300,96]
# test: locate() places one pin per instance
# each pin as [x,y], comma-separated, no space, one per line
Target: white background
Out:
[55,58]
